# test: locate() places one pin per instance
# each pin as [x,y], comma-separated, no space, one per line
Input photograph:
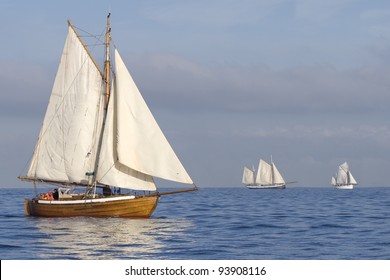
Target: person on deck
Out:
[55,194]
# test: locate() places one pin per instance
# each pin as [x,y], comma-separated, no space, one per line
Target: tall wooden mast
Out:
[107,63]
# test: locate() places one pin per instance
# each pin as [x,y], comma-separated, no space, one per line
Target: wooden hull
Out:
[123,206]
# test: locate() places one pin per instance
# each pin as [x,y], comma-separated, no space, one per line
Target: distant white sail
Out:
[351,178]
[248,177]
[342,174]
[343,177]
[277,177]
[264,173]
[267,176]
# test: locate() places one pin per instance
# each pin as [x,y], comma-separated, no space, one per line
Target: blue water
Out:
[214,223]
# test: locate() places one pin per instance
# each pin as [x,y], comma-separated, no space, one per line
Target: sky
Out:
[306,82]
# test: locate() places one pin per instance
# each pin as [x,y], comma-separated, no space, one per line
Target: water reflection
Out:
[111,238]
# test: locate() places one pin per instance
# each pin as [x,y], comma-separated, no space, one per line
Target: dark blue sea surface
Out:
[212,223]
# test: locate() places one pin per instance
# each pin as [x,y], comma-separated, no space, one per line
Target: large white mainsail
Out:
[264,173]
[342,174]
[139,148]
[68,141]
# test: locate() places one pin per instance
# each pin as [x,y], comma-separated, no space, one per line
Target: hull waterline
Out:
[344,187]
[266,187]
[125,206]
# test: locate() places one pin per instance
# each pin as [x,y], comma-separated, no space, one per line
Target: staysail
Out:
[68,141]
[139,148]
[277,177]
[110,170]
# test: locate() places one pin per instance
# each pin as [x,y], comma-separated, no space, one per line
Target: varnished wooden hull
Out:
[126,206]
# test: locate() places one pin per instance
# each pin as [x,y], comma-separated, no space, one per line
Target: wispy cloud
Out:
[238,88]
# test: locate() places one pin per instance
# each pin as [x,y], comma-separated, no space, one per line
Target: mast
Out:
[106,79]
[107,63]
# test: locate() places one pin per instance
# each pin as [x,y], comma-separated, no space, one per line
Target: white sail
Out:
[342,174]
[67,145]
[110,170]
[140,143]
[133,147]
[277,177]
[248,177]
[351,179]
[264,173]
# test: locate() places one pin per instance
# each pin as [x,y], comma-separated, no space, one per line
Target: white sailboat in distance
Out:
[343,178]
[266,177]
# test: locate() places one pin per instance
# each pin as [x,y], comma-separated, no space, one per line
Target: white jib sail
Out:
[277,178]
[110,170]
[141,145]
[264,173]
[248,177]
[68,140]
[351,178]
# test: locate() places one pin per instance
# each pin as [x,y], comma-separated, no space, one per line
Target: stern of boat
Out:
[27,207]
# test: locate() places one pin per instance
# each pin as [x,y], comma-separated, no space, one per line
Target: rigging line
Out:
[94,45]
[97,37]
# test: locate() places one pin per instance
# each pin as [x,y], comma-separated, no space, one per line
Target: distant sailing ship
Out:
[99,134]
[266,177]
[343,178]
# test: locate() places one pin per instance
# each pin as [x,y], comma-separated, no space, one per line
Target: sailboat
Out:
[99,144]
[343,178]
[266,177]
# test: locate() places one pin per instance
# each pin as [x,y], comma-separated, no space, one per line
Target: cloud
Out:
[179,82]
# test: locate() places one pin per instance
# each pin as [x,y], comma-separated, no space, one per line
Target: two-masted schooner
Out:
[266,177]
[99,134]
[343,178]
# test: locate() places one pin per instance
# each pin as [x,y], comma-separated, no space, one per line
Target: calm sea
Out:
[213,223]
